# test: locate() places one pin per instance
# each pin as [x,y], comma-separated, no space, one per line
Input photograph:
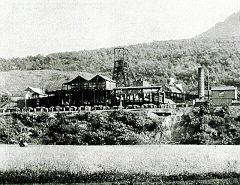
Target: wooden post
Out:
[106,98]
[82,98]
[69,99]
[48,101]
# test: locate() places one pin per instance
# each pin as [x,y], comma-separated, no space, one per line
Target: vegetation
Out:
[155,62]
[201,125]
[4,99]
[31,176]
[208,125]
[113,128]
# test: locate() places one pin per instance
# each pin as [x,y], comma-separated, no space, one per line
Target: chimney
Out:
[201,83]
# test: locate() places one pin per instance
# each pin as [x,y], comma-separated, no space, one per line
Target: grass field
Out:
[142,161]
[15,82]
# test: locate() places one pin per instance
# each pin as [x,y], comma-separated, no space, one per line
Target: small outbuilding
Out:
[33,92]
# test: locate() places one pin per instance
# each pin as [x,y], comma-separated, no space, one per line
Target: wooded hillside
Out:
[155,61]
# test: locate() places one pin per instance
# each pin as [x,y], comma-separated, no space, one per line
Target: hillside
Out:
[14,82]
[155,62]
[228,28]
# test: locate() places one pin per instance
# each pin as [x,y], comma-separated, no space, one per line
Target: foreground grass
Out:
[167,164]
[31,176]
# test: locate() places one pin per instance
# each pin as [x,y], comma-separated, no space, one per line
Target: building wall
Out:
[223,97]
[224,94]
[94,85]
[80,85]
[219,101]
[110,85]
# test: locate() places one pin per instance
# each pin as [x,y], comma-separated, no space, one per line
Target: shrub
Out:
[207,125]
[109,128]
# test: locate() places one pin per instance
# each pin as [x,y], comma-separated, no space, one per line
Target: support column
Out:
[69,99]
[48,101]
[106,98]
[124,98]
[82,103]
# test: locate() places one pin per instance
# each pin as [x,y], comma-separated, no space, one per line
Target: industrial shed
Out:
[223,95]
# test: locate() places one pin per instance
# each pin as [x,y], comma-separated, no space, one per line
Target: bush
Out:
[64,131]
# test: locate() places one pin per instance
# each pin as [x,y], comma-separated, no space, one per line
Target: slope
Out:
[14,82]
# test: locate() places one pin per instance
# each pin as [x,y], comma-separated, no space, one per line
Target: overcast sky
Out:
[30,27]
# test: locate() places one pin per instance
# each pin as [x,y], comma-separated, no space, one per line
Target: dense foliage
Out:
[4,99]
[202,125]
[208,125]
[155,62]
[117,127]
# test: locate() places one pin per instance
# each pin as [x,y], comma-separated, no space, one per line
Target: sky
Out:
[30,27]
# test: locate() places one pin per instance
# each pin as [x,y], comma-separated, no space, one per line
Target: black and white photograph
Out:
[102,92]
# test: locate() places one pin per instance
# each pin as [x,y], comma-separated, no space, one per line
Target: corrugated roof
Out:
[224,88]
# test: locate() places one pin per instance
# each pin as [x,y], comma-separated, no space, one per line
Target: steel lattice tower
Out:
[122,73]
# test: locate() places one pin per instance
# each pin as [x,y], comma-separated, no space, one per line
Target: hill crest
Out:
[230,27]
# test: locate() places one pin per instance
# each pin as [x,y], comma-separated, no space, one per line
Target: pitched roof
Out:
[85,78]
[224,88]
[77,79]
[173,89]
[35,90]
[103,77]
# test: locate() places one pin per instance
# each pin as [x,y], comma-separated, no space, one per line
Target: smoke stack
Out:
[201,82]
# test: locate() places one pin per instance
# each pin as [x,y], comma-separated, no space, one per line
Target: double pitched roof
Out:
[78,79]
[83,78]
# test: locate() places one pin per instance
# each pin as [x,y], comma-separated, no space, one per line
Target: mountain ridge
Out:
[230,27]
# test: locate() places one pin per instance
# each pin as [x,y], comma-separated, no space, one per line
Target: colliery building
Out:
[102,90]
[217,95]
[123,90]
[99,90]
[83,91]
